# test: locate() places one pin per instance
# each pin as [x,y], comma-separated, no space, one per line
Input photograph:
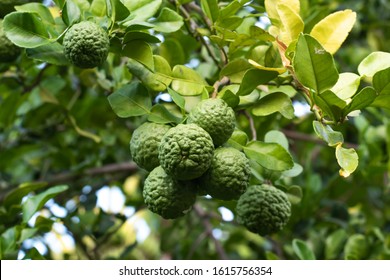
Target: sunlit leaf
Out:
[332,31]
[373,63]
[326,133]
[274,102]
[348,160]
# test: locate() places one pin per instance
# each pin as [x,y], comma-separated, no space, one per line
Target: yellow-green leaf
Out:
[332,31]
[271,8]
[291,23]
[348,160]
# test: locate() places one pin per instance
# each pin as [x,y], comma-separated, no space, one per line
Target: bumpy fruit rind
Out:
[228,176]
[144,144]
[263,209]
[86,44]
[185,151]
[166,196]
[216,117]
[8,51]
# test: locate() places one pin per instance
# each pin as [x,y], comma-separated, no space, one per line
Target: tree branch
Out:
[205,219]
[251,125]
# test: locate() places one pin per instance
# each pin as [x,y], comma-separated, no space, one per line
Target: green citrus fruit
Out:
[228,176]
[216,117]
[185,151]
[8,51]
[167,196]
[86,44]
[144,144]
[263,209]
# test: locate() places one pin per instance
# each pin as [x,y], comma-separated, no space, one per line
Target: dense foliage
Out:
[309,83]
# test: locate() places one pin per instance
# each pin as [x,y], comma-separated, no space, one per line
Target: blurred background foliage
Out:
[57,128]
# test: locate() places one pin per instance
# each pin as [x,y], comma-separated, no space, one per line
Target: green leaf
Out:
[253,78]
[71,13]
[293,172]
[15,196]
[294,194]
[361,100]
[274,136]
[334,243]
[302,250]
[210,9]
[119,11]
[230,98]
[172,50]
[274,102]
[131,100]
[381,81]
[356,248]
[168,21]
[52,53]
[235,70]
[140,35]
[382,101]
[40,9]
[346,86]
[238,139]
[332,31]
[160,114]
[187,81]
[155,81]
[269,155]
[35,203]
[291,23]
[374,63]
[313,65]
[142,9]
[177,98]
[83,132]
[141,52]
[347,159]
[26,30]
[99,8]
[326,133]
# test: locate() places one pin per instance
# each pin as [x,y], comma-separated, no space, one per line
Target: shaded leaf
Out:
[52,53]
[177,98]
[381,81]
[326,133]
[254,78]
[168,21]
[141,52]
[334,244]
[361,100]
[269,155]
[210,8]
[15,196]
[71,13]
[160,114]
[302,250]
[274,102]
[131,100]
[356,248]
[35,203]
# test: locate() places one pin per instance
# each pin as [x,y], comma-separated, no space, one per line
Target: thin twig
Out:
[205,219]
[223,81]
[251,125]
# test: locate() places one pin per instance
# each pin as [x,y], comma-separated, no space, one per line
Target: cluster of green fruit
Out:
[191,159]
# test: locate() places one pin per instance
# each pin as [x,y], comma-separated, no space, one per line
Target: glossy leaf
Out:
[160,114]
[15,196]
[313,65]
[177,98]
[274,102]
[326,133]
[356,248]
[35,203]
[186,81]
[142,9]
[131,100]
[271,7]
[26,30]
[254,78]
[275,136]
[141,52]
[291,23]
[332,31]
[235,70]
[269,155]
[302,250]
[71,13]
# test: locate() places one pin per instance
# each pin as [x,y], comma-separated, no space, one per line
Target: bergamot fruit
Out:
[86,44]
[185,151]
[8,51]
[166,196]
[228,175]
[216,117]
[263,209]
[144,144]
